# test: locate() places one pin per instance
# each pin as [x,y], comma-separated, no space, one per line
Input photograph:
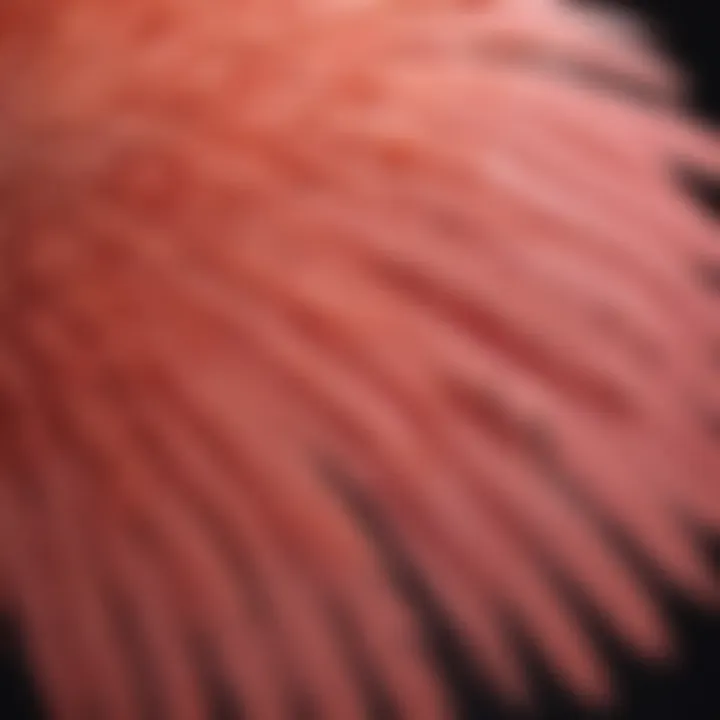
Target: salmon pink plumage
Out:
[266,262]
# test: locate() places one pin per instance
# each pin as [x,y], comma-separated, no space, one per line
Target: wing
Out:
[261,269]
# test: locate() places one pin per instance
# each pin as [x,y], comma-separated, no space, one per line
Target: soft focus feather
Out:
[422,243]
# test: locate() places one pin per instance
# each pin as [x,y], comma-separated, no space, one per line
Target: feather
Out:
[434,245]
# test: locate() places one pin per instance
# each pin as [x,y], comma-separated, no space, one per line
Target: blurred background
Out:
[688,29]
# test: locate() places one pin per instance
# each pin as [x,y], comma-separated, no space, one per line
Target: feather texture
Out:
[433,245]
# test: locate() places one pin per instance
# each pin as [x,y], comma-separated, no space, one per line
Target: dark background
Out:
[691,692]
[689,28]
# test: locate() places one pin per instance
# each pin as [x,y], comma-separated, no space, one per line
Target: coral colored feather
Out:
[437,247]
